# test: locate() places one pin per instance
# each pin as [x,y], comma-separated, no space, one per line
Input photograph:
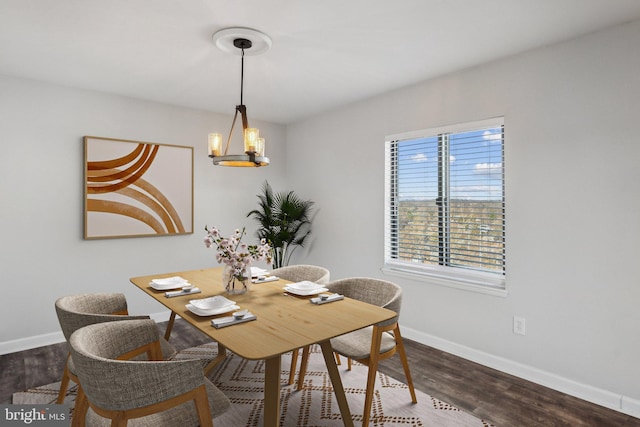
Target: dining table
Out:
[284,322]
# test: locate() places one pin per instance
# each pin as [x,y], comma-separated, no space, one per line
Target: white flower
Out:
[232,252]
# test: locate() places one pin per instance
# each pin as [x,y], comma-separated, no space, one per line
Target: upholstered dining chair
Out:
[374,343]
[76,311]
[299,273]
[120,391]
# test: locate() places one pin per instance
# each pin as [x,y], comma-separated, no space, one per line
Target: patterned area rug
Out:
[242,381]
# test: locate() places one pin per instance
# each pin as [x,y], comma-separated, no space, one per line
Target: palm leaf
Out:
[284,221]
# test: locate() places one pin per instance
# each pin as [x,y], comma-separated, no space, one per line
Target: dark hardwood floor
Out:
[502,399]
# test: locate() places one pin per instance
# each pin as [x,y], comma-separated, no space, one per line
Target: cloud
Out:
[477,192]
[420,157]
[488,168]
[492,136]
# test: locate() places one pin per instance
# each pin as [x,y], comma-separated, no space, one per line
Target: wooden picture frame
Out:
[135,189]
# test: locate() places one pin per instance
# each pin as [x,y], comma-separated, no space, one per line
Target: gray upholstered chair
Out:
[374,343]
[299,273]
[120,391]
[77,311]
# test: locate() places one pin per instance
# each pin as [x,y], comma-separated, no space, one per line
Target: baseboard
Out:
[586,392]
[630,406]
[28,343]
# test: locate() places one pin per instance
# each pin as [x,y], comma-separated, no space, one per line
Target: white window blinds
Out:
[445,208]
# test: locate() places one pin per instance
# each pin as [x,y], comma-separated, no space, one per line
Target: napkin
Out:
[263,279]
[222,322]
[332,298]
[257,271]
[188,291]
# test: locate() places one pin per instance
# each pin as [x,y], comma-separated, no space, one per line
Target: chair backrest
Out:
[120,385]
[299,273]
[373,291]
[77,311]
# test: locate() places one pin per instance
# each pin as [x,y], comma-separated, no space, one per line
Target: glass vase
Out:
[236,283]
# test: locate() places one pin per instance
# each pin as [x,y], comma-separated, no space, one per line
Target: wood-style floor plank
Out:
[497,397]
[502,399]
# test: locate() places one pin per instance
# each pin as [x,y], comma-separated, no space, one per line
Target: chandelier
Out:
[234,40]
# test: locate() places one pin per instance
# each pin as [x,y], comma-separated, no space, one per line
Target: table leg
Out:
[222,353]
[272,392]
[338,389]
[172,319]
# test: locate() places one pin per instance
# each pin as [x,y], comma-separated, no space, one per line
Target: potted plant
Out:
[285,222]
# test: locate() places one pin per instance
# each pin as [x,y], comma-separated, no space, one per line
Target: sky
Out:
[474,161]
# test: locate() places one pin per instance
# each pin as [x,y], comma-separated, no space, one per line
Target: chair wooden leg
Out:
[202,407]
[80,409]
[348,363]
[172,319]
[376,340]
[303,367]
[64,384]
[119,420]
[294,362]
[405,363]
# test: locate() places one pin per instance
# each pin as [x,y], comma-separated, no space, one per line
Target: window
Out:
[445,215]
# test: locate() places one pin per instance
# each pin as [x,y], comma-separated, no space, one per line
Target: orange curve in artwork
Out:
[106,177]
[116,163]
[151,204]
[126,210]
[161,205]
[122,177]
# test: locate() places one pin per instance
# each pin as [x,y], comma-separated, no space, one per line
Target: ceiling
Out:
[325,53]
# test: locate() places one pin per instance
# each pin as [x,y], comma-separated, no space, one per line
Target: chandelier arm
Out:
[235,116]
[243,115]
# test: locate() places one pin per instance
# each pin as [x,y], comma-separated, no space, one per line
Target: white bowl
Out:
[211,303]
[304,285]
[212,312]
[170,281]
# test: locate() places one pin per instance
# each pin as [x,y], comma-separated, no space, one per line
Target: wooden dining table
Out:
[285,322]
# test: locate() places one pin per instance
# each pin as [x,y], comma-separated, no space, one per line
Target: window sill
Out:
[449,281]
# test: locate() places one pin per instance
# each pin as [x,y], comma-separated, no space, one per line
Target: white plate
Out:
[304,286]
[305,293]
[213,312]
[211,303]
[169,283]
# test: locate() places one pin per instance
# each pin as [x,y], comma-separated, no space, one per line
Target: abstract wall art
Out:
[135,189]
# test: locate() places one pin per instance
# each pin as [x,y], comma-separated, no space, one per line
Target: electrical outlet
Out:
[519,324]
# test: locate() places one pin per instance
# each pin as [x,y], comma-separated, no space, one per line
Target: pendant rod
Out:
[242,77]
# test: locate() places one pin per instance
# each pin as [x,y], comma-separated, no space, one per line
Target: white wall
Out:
[573,225]
[43,255]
